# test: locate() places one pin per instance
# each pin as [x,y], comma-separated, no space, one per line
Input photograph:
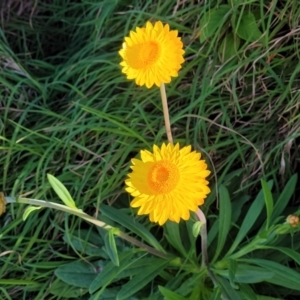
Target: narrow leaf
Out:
[226,289]
[61,191]
[63,290]
[139,281]
[196,228]
[232,269]
[172,234]
[131,224]
[110,272]
[224,219]
[111,248]
[268,200]
[287,251]
[29,210]
[285,196]
[78,273]
[169,295]
[250,218]
[247,273]
[87,242]
[283,276]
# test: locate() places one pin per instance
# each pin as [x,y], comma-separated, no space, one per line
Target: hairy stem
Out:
[205,263]
[166,112]
[81,214]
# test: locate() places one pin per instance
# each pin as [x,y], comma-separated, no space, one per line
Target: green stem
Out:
[81,214]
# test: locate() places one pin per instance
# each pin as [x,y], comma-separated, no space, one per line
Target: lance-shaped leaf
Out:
[61,191]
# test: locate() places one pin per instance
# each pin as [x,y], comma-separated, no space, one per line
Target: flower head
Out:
[168,183]
[293,220]
[152,54]
[2,204]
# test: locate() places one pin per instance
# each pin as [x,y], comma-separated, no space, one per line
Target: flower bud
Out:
[293,220]
[2,204]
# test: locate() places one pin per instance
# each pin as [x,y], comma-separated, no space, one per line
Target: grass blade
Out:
[224,219]
[250,218]
[269,202]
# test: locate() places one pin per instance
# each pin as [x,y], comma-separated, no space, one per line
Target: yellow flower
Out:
[152,54]
[2,204]
[168,183]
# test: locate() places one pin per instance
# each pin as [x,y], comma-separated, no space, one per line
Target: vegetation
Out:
[67,110]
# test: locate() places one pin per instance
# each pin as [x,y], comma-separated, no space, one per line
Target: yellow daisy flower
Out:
[152,54]
[168,183]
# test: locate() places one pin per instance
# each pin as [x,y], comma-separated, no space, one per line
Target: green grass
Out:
[66,109]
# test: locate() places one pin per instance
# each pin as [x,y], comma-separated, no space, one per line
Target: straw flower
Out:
[152,54]
[168,183]
[293,220]
[2,204]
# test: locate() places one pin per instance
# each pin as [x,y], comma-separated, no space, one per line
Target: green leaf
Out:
[172,234]
[250,218]
[285,196]
[287,251]
[137,267]
[268,200]
[259,297]
[28,210]
[229,48]
[212,21]
[238,204]
[87,242]
[131,224]
[61,191]
[196,228]
[192,240]
[79,273]
[227,290]
[110,272]
[111,248]
[169,295]
[217,294]
[241,2]
[247,273]
[139,281]
[213,232]
[224,219]
[232,269]
[283,276]
[107,294]
[62,289]
[248,29]
[247,292]
[17,282]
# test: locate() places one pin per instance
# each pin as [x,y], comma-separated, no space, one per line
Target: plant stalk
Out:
[203,231]
[88,218]
[166,112]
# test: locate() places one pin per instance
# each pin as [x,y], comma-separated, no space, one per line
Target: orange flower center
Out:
[163,177]
[142,55]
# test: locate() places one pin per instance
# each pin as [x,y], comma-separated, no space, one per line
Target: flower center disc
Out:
[142,55]
[163,177]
